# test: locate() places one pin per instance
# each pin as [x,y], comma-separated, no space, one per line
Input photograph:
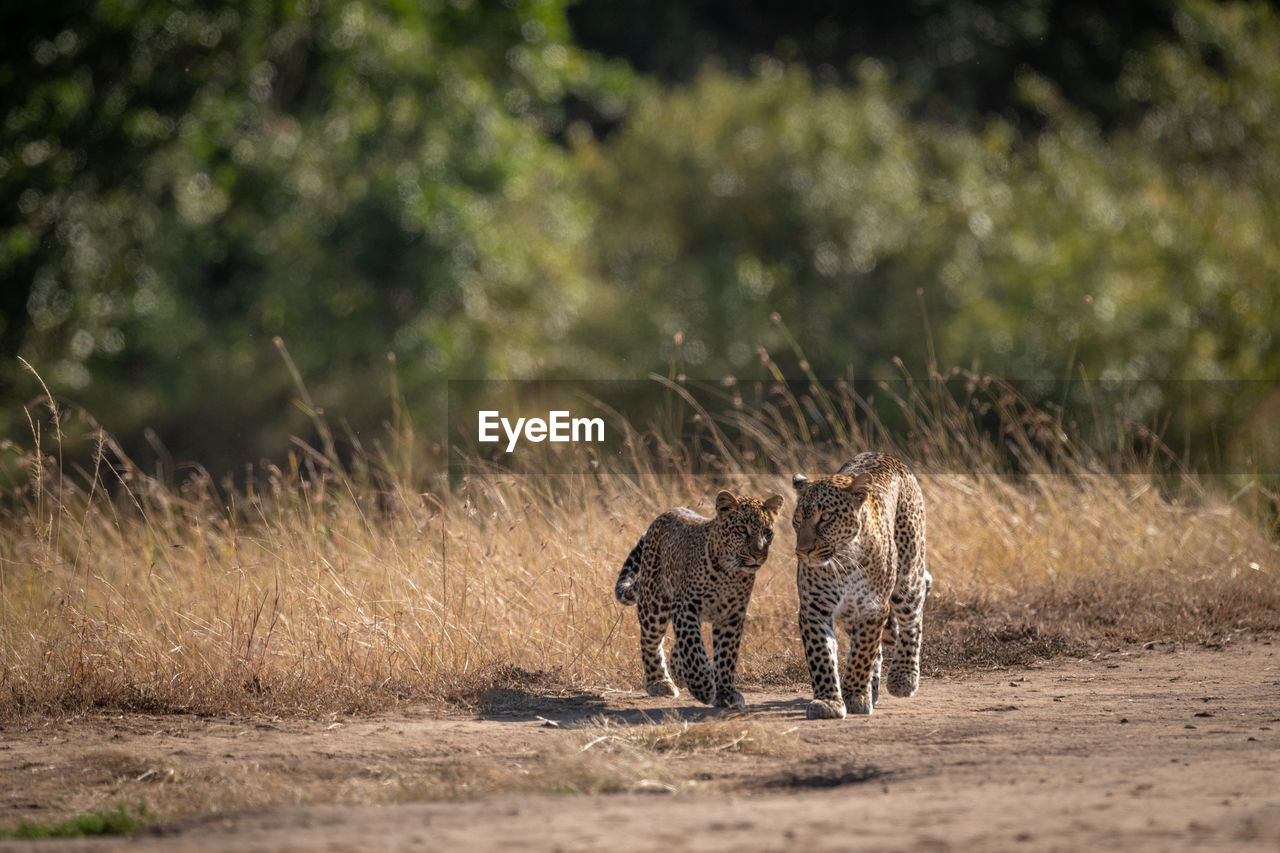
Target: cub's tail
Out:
[625,591]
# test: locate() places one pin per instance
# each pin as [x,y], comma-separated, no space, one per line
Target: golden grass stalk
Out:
[734,733]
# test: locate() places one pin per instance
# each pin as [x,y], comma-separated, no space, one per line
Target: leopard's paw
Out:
[903,682]
[733,699]
[861,703]
[825,709]
[666,687]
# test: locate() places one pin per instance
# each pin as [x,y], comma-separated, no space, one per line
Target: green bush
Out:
[180,185]
[191,182]
[1149,253]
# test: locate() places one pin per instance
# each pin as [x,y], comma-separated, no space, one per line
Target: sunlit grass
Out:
[312,590]
[672,733]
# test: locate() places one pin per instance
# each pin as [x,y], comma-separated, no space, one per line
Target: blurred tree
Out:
[1147,252]
[764,195]
[182,182]
[1150,254]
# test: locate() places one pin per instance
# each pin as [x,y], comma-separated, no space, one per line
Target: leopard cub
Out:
[687,569]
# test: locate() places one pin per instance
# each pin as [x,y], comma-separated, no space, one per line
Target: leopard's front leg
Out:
[861,666]
[726,641]
[875,676]
[817,605]
[908,607]
[690,655]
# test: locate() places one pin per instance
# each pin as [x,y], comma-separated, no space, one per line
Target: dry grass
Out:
[320,589]
[673,734]
[172,788]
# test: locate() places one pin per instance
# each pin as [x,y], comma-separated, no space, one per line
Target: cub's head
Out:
[746,530]
[826,516]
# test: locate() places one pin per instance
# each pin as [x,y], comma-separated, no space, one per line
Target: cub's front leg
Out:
[654,614]
[726,641]
[690,656]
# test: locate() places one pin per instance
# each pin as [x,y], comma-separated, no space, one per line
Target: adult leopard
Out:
[860,544]
[688,569]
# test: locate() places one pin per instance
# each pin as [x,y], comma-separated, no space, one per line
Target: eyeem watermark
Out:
[702,418]
[559,426]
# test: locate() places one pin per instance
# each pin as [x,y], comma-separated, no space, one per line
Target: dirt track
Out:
[1158,749]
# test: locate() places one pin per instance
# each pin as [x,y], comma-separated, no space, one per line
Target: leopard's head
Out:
[826,514]
[745,530]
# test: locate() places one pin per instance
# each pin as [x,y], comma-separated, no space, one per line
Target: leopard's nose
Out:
[803,552]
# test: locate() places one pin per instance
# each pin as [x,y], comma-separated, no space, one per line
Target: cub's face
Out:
[748,530]
[826,515]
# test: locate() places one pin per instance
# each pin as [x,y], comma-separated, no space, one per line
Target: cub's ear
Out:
[725,502]
[774,505]
[799,481]
[859,485]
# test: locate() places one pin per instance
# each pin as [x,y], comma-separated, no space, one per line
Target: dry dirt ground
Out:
[1162,748]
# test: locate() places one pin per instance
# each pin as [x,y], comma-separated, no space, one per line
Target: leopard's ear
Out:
[774,505]
[726,502]
[799,481]
[858,486]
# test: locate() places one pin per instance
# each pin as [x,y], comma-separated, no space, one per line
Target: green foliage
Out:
[1147,252]
[118,821]
[192,182]
[182,183]
[763,195]
[1152,251]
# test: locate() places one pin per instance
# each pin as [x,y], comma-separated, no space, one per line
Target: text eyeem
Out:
[558,427]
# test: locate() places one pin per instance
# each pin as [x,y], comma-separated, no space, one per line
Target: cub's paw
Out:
[733,699]
[665,687]
[825,709]
[903,683]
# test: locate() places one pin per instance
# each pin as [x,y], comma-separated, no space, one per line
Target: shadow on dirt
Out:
[514,704]
[824,775]
[572,710]
[513,694]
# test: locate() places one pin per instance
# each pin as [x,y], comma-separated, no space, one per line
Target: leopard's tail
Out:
[625,591]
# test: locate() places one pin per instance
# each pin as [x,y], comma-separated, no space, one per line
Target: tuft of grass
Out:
[605,772]
[121,820]
[616,756]
[733,733]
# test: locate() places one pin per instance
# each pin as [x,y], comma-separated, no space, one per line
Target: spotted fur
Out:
[861,567]
[687,570]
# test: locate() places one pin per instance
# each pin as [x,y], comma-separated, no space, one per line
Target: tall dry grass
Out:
[336,587]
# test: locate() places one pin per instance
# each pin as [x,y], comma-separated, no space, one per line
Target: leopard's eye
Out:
[768,536]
